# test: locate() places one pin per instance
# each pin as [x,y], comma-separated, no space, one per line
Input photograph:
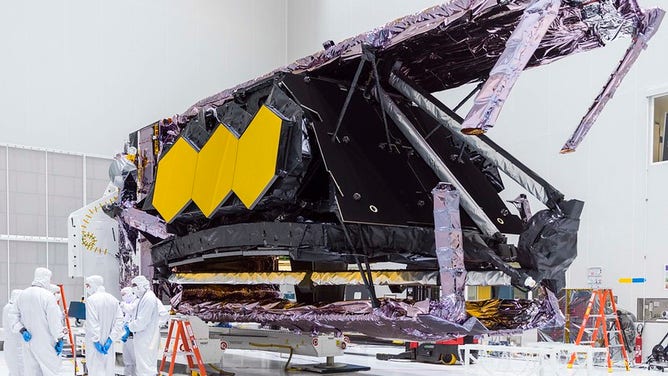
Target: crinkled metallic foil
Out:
[127,238]
[649,25]
[606,20]
[519,48]
[380,277]
[119,169]
[145,222]
[238,294]
[498,314]
[487,278]
[449,249]
[419,321]
[458,42]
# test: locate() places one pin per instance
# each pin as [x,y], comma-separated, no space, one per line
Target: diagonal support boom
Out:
[649,25]
[520,47]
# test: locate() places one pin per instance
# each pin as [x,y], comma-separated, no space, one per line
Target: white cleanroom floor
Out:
[260,363]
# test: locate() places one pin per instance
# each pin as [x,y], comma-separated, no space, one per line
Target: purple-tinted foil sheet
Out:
[649,25]
[523,206]
[459,42]
[127,237]
[169,132]
[420,321]
[449,251]
[146,161]
[521,45]
[145,222]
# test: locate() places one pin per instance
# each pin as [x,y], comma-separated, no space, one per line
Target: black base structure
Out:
[331,367]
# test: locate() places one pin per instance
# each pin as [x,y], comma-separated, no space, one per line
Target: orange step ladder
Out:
[605,300]
[183,333]
[69,328]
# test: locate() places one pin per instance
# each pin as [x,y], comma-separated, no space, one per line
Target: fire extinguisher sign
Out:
[637,349]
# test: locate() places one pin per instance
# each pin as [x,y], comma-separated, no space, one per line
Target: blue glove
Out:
[107,345]
[59,347]
[126,335]
[100,348]
[26,334]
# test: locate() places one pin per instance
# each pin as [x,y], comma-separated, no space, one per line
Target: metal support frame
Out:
[482,144]
[368,54]
[212,342]
[433,160]
[545,355]
[35,239]
[469,205]
[520,173]
[351,90]
[471,94]
[419,143]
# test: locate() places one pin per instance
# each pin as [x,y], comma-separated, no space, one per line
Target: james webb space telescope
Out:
[307,176]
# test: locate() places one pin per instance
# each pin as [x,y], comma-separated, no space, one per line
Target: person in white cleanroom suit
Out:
[37,317]
[145,327]
[55,290]
[13,341]
[104,325]
[128,306]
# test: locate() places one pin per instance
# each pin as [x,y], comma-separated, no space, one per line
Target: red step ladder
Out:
[188,346]
[605,300]
[69,329]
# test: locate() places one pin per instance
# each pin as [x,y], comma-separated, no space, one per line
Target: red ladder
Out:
[69,328]
[184,334]
[604,299]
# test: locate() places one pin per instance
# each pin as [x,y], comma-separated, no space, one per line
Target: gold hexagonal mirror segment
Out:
[215,170]
[174,179]
[256,157]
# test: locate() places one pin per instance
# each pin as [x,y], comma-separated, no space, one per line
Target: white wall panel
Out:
[4,276]
[80,75]
[24,257]
[97,178]
[3,190]
[27,192]
[65,190]
[44,188]
[58,265]
[310,23]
